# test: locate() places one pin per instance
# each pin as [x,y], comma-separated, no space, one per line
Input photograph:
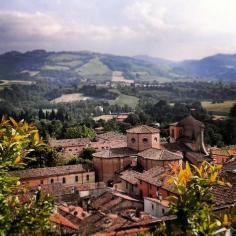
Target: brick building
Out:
[154,183]
[67,175]
[110,161]
[143,143]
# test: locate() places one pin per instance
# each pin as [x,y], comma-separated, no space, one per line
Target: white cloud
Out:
[166,28]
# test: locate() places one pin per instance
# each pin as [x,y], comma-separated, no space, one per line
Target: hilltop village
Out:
[126,190]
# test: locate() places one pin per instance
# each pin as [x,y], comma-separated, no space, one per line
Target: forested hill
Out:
[67,66]
[75,65]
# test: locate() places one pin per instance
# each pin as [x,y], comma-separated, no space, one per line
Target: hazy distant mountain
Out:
[219,66]
[155,60]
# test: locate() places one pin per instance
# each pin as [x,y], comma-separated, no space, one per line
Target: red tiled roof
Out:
[115,152]
[129,176]
[224,195]
[143,129]
[230,165]
[76,211]
[111,136]
[158,176]
[108,200]
[48,171]
[159,154]
[61,220]
[68,142]
[226,151]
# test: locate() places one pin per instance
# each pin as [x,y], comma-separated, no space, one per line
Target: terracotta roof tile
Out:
[224,195]
[115,152]
[111,136]
[143,129]
[48,171]
[61,220]
[130,176]
[159,154]
[55,143]
[158,176]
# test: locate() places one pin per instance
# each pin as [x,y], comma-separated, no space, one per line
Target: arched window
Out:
[156,139]
[145,140]
[133,140]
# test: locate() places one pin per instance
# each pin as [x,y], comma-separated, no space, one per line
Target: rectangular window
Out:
[126,185]
[63,180]
[76,178]
[87,177]
[152,207]
[41,181]
[52,181]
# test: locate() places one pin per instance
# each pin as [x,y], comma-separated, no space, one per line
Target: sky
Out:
[172,29]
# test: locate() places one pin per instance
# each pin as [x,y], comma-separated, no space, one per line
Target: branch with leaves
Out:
[20,213]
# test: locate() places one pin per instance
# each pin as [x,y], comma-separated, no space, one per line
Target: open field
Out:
[67,98]
[6,83]
[219,108]
[126,100]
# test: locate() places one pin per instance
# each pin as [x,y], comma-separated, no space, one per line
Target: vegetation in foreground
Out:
[194,203]
[20,213]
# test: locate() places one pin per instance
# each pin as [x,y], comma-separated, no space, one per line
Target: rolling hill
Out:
[40,64]
[67,66]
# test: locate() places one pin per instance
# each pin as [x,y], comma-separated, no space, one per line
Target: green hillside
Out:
[75,65]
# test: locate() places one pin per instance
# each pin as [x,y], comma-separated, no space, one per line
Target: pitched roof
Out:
[190,121]
[164,203]
[68,142]
[159,154]
[130,176]
[224,195]
[143,129]
[61,220]
[230,165]
[48,171]
[158,176]
[226,151]
[108,200]
[115,152]
[111,136]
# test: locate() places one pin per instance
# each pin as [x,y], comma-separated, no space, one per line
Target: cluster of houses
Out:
[126,191]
